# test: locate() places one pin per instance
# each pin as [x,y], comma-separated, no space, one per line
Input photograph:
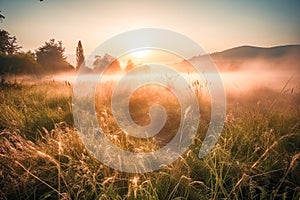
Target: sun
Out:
[140,54]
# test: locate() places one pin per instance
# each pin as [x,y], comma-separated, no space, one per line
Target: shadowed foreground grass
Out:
[42,157]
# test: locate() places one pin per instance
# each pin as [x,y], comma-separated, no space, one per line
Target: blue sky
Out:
[215,25]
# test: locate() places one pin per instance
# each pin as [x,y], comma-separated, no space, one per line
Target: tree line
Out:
[49,58]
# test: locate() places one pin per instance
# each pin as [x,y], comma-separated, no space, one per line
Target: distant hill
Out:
[287,57]
[243,52]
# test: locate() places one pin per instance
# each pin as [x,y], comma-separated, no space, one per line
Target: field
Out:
[42,156]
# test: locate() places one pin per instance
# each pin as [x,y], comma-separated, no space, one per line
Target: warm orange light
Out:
[140,54]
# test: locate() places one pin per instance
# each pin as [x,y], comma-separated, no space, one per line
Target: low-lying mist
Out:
[239,76]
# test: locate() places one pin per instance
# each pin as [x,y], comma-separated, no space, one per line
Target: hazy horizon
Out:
[215,26]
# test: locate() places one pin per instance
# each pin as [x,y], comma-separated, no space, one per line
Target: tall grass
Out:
[42,157]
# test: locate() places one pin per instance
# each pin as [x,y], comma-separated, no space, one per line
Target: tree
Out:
[111,64]
[79,56]
[51,57]
[21,63]
[129,66]
[10,61]
[8,43]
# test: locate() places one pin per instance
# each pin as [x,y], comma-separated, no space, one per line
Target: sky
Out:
[214,25]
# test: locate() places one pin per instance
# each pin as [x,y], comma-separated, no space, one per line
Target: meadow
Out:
[42,156]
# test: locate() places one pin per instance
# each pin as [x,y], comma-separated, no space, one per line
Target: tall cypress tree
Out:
[79,56]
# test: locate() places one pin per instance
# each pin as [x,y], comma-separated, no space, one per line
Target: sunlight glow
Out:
[140,54]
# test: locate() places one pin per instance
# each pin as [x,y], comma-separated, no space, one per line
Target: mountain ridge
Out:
[253,51]
[235,58]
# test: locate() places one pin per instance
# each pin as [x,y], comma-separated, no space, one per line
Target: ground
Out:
[42,156]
